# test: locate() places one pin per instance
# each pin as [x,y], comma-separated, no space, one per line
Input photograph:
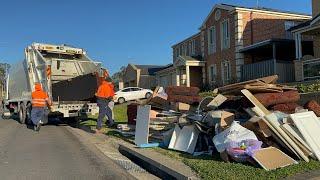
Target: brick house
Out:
[307,65]
[236,44]
[240,43]
[188,67]
[140,76]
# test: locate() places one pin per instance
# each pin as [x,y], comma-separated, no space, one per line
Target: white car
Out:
[132,93]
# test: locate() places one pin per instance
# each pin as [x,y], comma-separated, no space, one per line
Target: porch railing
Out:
[311,69]
[284,69]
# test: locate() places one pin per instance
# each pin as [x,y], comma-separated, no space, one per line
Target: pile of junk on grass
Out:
[257,121]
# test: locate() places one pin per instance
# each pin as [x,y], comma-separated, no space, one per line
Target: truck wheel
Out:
[121,100]
[28,114]
[22,114]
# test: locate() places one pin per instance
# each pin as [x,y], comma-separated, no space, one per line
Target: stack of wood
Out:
[261,85]
[274,96]
[188,95]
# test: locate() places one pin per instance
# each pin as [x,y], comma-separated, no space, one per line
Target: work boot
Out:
[38,126]
[111,124]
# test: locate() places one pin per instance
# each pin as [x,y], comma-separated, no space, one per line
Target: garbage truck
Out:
[66,73]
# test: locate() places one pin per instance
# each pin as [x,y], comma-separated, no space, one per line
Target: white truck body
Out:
[49,64]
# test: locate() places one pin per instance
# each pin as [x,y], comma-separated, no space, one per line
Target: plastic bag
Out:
[241,151]
[235,133]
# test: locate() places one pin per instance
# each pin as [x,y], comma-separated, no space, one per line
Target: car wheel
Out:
[148,95]
[121,100]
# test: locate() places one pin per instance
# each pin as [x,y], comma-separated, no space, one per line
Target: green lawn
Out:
[209,167]
[120,116]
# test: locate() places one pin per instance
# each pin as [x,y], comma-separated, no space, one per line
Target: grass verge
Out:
[211,167]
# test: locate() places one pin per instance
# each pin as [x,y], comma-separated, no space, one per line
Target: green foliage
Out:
[120,116]
[211,167]
[308,88]
[207,93]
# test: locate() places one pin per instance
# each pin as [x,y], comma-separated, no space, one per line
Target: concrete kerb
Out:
[156,163]
[153,162]
[109,148]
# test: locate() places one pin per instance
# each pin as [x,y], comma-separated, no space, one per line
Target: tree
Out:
[4,68]
[117,77]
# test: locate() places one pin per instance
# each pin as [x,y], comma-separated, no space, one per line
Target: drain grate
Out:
[129,166]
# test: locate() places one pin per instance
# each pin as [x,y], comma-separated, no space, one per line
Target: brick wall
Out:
[260,26]
[220,55]
[186,44]
[246,28]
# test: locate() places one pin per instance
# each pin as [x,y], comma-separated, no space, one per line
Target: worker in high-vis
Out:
[40,100]
[105,95]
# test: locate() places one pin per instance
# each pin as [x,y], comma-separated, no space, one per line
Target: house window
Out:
[212,40]
[177,52]
[225,35]
[213,72]
[226,71]
[193,47]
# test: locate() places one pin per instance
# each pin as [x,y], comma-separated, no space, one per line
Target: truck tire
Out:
[22,113]
[28,114]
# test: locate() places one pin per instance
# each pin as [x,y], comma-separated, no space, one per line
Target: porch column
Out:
[274,51]
[204,76]
[177,77]
[298,46]
[274,55]
[188,75]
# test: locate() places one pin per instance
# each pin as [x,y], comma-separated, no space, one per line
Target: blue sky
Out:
[114,32]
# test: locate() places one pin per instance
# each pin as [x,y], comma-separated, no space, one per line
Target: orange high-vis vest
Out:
[39,97]
[105,90]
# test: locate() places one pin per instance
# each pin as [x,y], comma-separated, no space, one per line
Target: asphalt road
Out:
[53,153]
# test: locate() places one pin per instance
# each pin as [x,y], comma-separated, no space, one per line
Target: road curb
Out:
[153,166]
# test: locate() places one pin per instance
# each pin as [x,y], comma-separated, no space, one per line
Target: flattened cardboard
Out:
[264,128]
[272,158]
[142,125]
[182,106]
[226,119]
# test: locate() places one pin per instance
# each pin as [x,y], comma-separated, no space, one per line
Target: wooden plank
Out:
[264,80]
[142,125]
[272,158]
[272,118]
[304,148]
[296,134]
[254,101]
[217,101]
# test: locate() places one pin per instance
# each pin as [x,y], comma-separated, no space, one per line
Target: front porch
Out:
[270,57]
[190,72]
[307,66]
